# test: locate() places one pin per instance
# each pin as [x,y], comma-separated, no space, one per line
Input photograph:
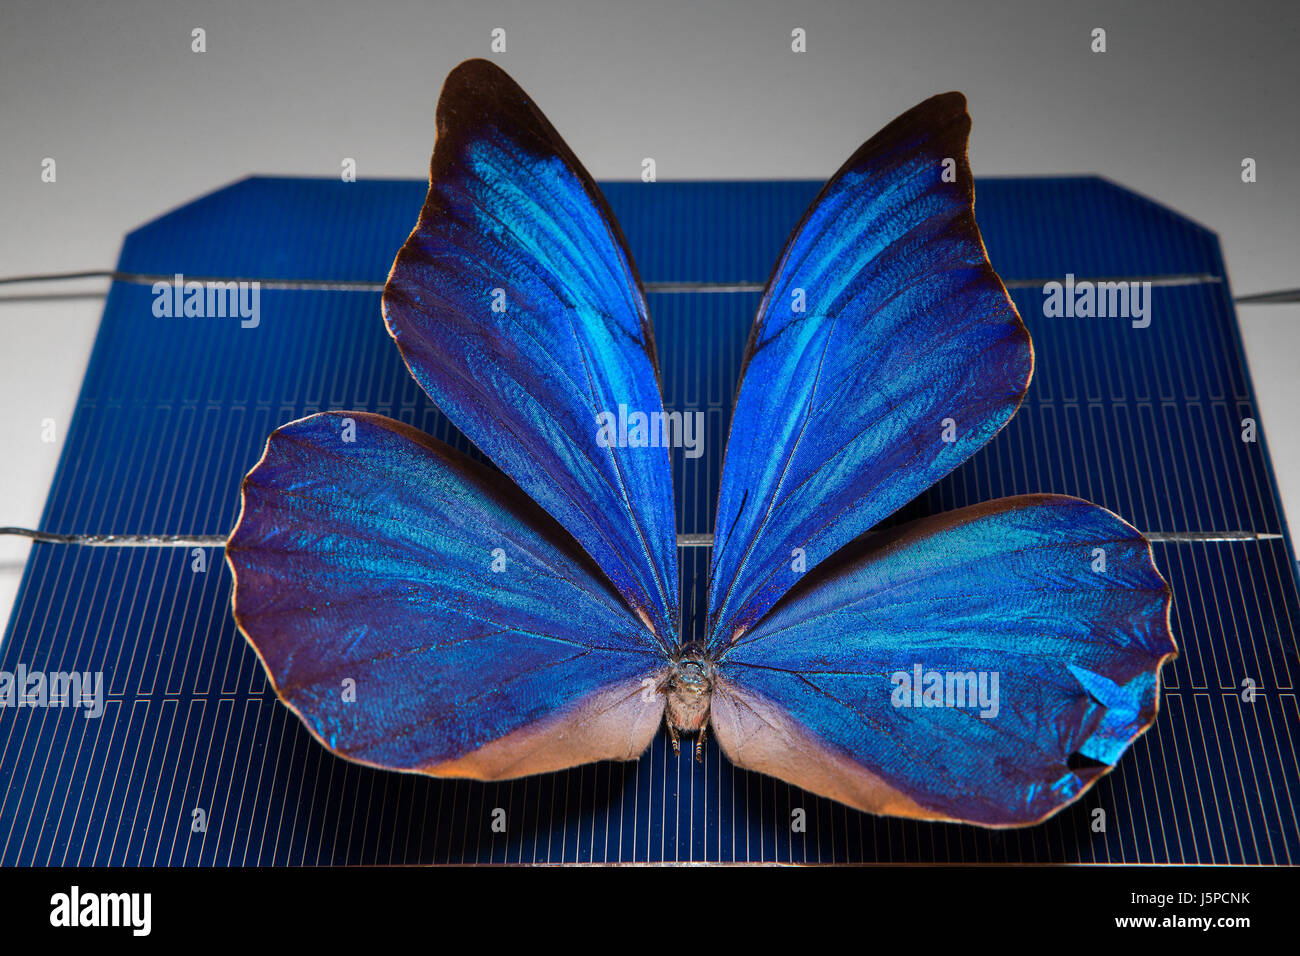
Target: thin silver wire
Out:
[683,540]
[1273,297]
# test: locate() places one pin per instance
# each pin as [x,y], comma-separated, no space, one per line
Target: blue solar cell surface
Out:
[173,412]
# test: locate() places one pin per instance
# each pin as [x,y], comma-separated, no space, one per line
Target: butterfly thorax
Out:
[689,689]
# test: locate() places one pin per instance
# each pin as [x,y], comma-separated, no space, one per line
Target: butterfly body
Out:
[498,623]
[688,693]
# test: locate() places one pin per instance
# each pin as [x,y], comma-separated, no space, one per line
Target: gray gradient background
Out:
[139,124]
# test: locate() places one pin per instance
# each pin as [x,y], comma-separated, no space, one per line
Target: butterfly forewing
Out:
[518,309]
[885,352]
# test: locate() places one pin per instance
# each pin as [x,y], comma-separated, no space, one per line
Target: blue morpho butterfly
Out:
[986,665]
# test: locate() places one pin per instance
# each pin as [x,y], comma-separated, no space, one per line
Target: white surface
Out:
[139,124]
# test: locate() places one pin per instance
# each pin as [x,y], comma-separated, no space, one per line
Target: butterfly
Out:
[421,611]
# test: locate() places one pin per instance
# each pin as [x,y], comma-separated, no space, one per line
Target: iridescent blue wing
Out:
[517,307]
[885,352]
[419,613]
[1045,621]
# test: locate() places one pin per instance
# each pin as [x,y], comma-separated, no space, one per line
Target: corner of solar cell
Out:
[1141,199]
[213,197]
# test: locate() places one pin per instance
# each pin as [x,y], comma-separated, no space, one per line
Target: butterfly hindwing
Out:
[518,309]
[419,613]
[985,665]
[885,352]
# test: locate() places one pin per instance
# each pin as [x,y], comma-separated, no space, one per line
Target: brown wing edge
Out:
[475,93]
[947,116]
[616,723]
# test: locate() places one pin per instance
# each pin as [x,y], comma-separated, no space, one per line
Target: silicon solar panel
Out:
[174,411]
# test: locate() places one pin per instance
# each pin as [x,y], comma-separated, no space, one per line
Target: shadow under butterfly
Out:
[524,621]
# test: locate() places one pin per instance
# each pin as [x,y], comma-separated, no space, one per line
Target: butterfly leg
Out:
[699,742]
